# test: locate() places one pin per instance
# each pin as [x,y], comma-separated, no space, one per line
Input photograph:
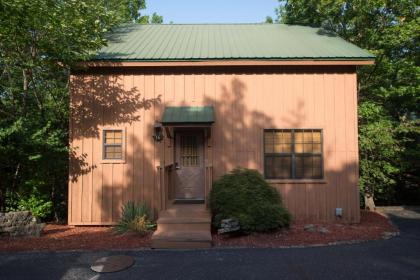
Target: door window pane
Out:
[189,150]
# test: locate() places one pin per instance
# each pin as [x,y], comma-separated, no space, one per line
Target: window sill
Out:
[297,181]
[116,161]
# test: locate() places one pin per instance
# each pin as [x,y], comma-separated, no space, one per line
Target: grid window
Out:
[189,150]
[293,154]
[113,144]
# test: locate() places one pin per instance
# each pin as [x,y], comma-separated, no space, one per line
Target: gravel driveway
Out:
[397,258]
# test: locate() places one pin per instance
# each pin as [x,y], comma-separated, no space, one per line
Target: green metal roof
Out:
[184,114]
[195,42]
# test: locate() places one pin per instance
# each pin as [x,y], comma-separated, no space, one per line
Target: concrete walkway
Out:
[397,258]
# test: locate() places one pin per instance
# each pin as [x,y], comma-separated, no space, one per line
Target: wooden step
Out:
[204,216]
[182,219]
[185,211]
[181,239]
[183,226]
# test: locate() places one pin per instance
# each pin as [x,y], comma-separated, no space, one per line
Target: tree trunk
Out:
[369,202]
[2,199]
[25,91]
[15,178]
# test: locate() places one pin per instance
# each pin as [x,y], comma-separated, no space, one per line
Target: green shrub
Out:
[244,195]
[135,217]
[39,206]
[32,200]
[32,196]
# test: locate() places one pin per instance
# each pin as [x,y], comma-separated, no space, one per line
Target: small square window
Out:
[113,144]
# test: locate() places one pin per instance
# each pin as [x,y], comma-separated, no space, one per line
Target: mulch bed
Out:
[61,237]
[372,226]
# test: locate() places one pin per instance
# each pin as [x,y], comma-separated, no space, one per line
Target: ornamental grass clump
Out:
[244,195]
[135,217]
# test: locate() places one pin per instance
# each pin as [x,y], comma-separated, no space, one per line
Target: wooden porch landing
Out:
[183,226]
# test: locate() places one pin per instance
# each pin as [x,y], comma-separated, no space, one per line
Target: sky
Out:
[212,11]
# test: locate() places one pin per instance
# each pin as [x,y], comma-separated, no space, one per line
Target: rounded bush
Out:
[243,194]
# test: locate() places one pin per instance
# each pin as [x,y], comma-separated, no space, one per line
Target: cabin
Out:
[164,110]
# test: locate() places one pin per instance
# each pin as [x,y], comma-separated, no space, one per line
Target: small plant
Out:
[135,217]
[244,195]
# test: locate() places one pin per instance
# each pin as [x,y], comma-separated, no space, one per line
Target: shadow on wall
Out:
[240,120]
[237,128]
[126,184]
[100,102]
[78,165]
[296,117]
[105,101]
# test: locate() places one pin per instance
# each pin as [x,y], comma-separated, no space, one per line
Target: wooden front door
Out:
[189,165]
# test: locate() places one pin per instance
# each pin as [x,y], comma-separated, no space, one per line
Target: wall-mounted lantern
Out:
[157,132]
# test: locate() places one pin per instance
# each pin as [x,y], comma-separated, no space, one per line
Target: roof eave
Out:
[227,62]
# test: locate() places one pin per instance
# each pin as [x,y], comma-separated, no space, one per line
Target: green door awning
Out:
[188,115]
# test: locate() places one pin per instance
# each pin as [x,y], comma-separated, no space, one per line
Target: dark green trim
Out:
[187,115]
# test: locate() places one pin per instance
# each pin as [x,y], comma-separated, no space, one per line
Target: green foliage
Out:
[389,98]
[40,41]
[268,19]
[135,217]
[32,200]
[156,19]
[39,206]
[130,11]
[381,152]
[243,194]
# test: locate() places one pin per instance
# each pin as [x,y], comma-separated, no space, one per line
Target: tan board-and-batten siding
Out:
[246,99]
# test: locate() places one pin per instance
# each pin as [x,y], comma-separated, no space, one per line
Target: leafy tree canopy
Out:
[388,91]
[130,10]
[39,42]
[268,19]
